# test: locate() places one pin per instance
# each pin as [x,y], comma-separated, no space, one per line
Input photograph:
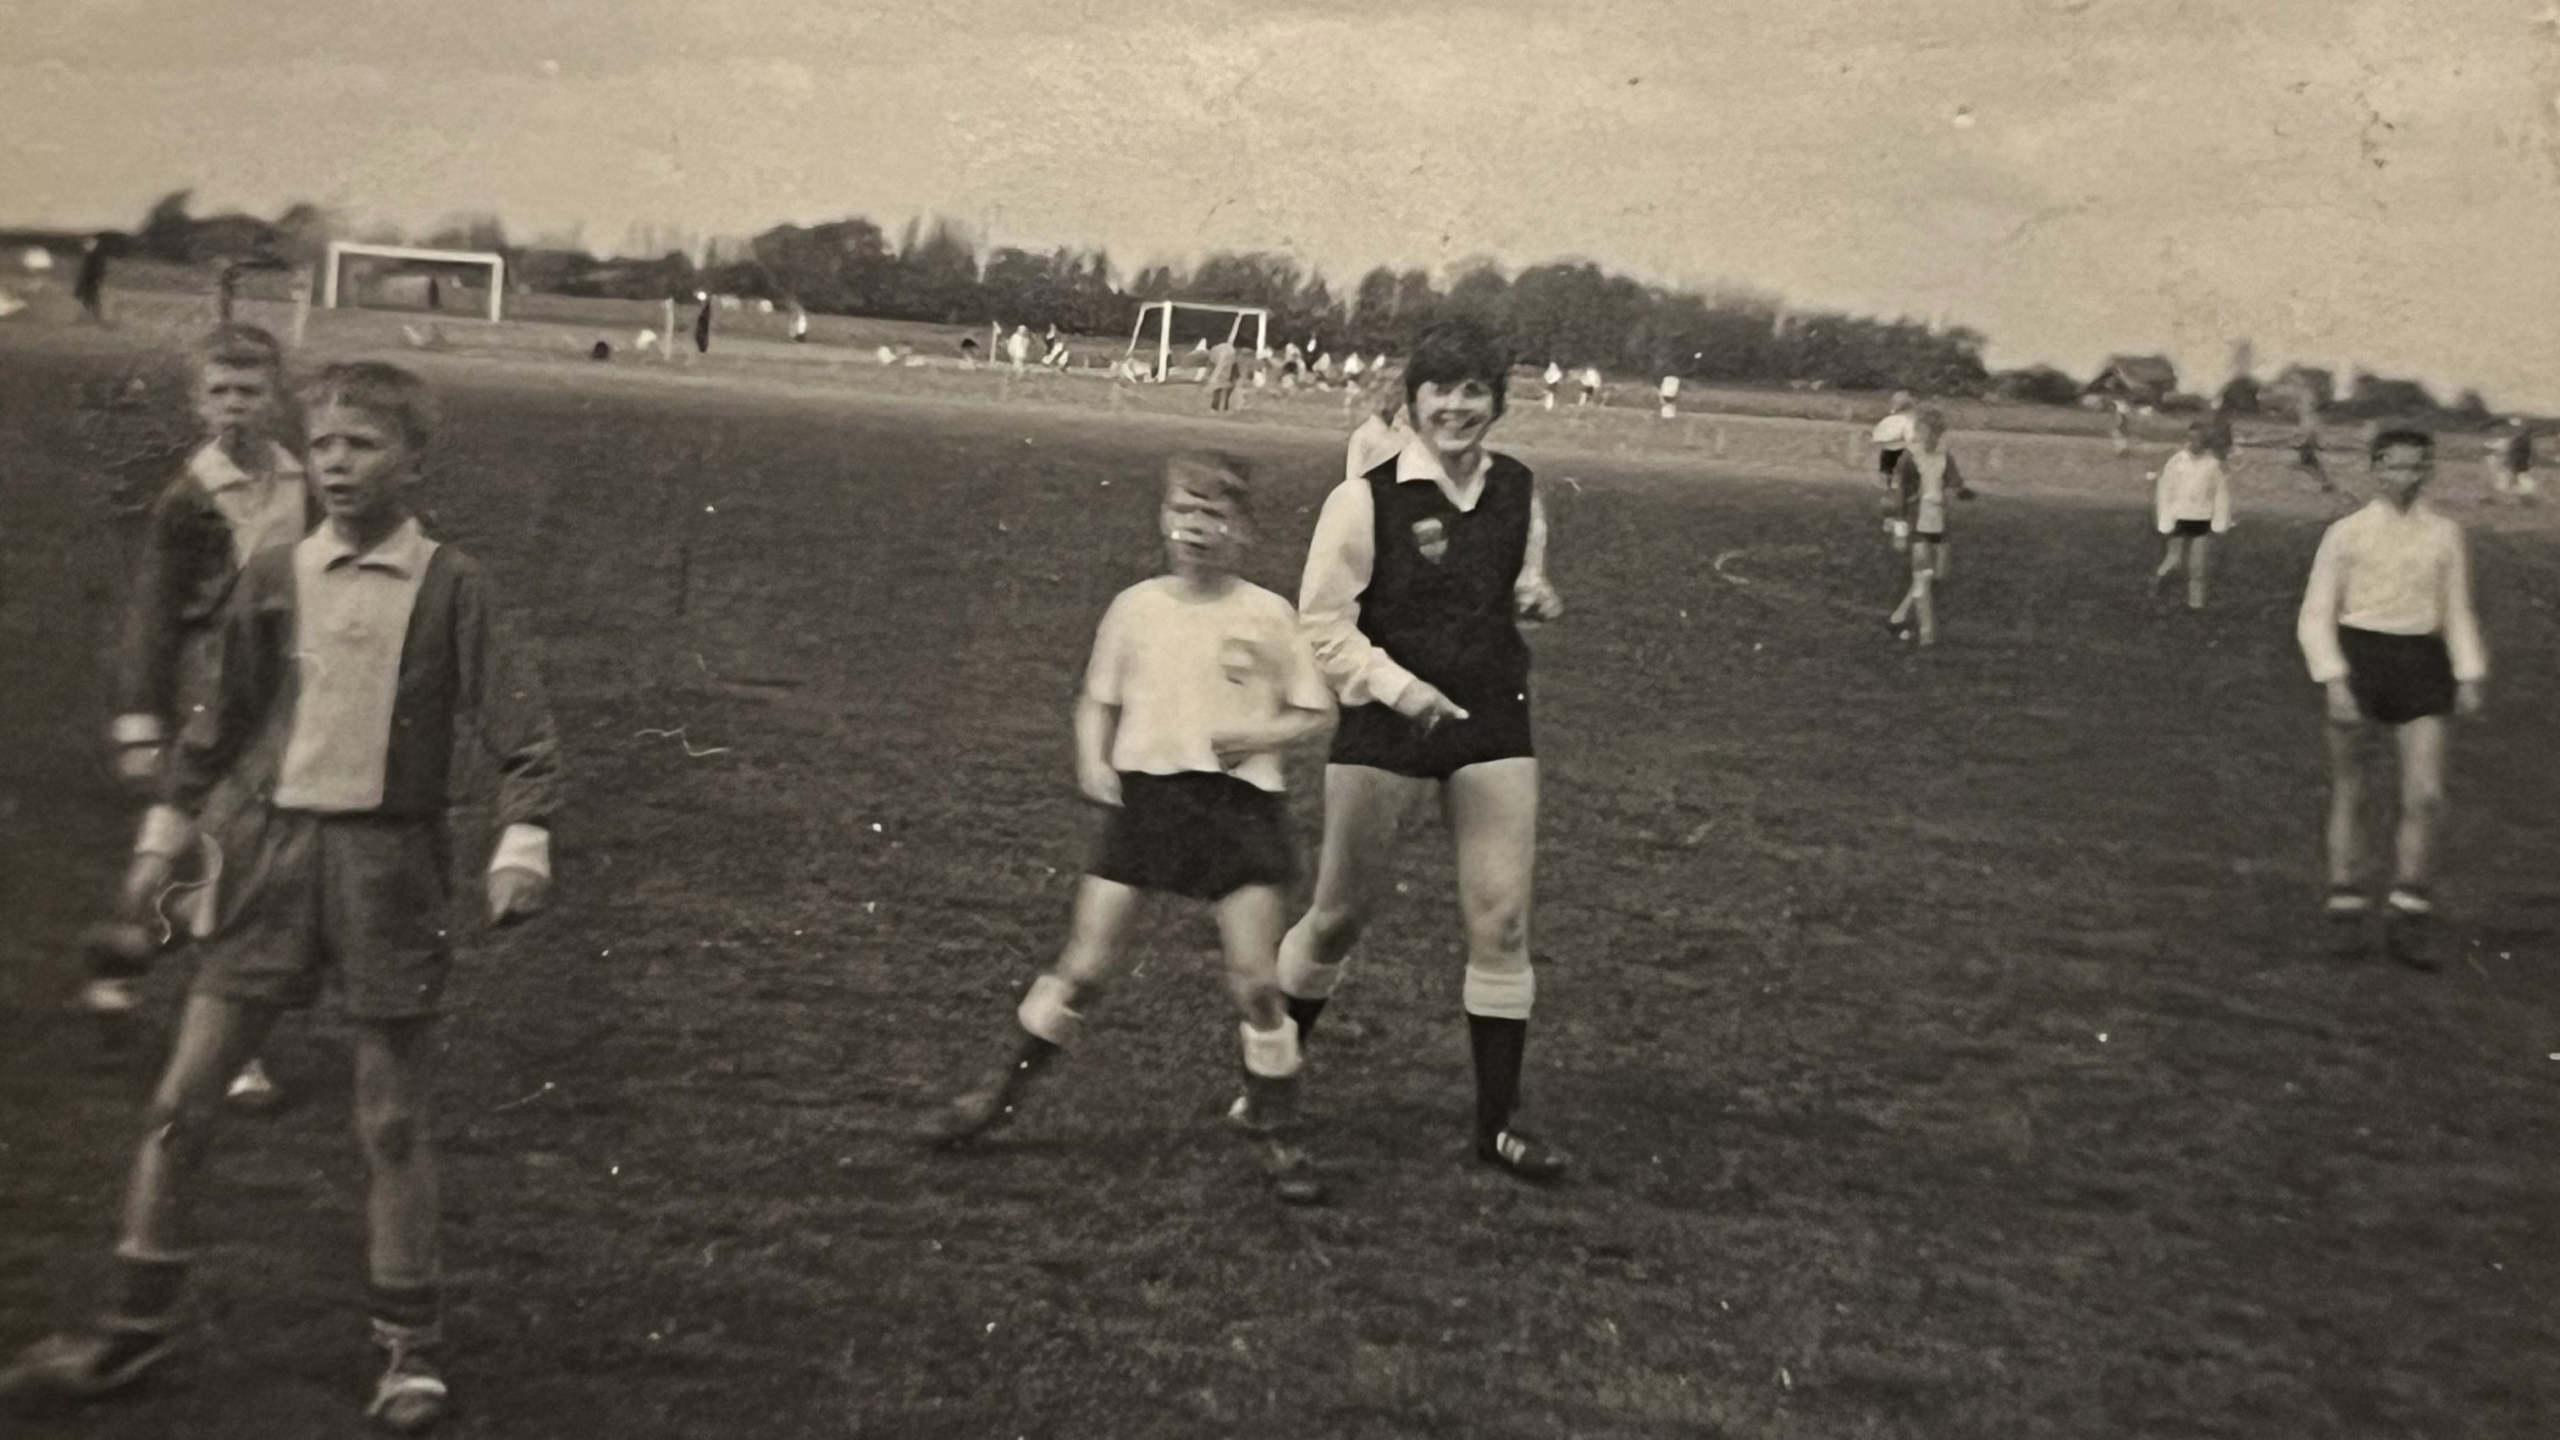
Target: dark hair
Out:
[2401,439]
[1212,475]
[1458,350]
[378,389]
[240,347]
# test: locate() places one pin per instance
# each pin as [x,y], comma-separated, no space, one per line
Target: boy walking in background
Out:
[350,660]
[242,492]
[2191,503]
[2388,631]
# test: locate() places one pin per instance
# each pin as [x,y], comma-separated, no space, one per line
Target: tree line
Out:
[1570,312]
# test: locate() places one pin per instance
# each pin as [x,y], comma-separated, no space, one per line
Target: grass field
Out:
[1943,1036]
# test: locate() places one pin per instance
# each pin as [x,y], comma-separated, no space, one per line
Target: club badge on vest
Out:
[1431,538]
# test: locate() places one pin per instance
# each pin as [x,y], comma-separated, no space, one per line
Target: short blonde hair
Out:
[376,388]
[239,347]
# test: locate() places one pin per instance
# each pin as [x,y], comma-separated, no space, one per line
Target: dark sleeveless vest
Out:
[1439,600]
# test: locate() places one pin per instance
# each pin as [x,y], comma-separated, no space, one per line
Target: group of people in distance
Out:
[303,656]
[2386,626]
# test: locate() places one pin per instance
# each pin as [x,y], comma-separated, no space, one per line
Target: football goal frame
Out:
[1259,315]
[340,251]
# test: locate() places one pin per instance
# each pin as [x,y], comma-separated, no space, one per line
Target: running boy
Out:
[242,492]
[2388,629]
[2191,504]
[1198,681]
[1417,579]
[350,659]
[1923,479]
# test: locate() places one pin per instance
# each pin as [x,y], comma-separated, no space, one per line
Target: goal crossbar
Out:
[341,250]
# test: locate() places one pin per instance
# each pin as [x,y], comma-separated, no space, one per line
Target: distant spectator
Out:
[1670,397]
[1591,383]
[1221,377]
[2511,460]
[702,323]
[90,289]
[1017,348]
[1555,382]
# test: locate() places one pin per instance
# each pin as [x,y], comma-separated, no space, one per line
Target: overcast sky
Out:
[2370,181]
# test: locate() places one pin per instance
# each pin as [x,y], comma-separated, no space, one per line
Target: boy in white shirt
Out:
[1923,479]
[2191,504]
[1197,683]
[2388,630]
[1890,437]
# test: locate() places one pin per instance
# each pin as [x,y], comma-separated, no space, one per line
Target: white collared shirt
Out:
[351,620]
[2393,572]
[1893,432]
[2192,487]
[1344,553]
[263,509]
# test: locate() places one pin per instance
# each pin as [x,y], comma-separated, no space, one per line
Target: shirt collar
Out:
[216,471]
[403,552]
[1419,461]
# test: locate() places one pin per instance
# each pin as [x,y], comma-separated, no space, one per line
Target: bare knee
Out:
[178,1129]
[1499,932]
[1336,928]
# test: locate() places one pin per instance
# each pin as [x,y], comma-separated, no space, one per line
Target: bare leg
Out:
[2198,550]
[2172,550]
[1249,925]
[391,1078]
[1094,948]
[214,1037]
[2421,745]
[1493,814]
[2346,800]
[1364,811]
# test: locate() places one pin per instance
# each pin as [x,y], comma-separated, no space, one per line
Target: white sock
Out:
[1044,1011]
[1500,994]
[1271,1054]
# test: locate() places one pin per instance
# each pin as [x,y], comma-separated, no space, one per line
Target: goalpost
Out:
[340,251]
[1165,309]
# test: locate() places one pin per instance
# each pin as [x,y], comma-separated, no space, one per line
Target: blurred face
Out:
[1202,535]
[236,401]
[363,464]
[1454,417]
[2400,472]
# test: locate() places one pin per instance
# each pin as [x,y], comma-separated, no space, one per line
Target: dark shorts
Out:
[1379,738]
[303,895]
[1886,460]
[2191,529]
[1928,537]
[2398,678]
[1198,835]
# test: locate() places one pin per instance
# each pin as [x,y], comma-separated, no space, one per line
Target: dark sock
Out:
[1498,1046]
[411,1307]
[1304,1011]
[150,1288]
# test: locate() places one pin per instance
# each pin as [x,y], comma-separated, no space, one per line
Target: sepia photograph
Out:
[816,718]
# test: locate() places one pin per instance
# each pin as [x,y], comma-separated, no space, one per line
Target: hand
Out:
[1538,602]
[145,881]
[1100,784]
[516,893]
[1964,492]
[2466,698]
[2342,703]
[1423,703]
[138,765]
